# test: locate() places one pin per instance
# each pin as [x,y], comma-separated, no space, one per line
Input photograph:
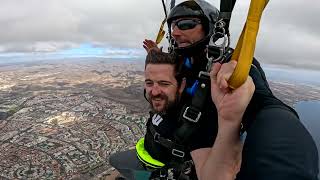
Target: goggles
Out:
[185,24]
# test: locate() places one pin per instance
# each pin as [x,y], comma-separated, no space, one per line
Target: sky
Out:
[289,30]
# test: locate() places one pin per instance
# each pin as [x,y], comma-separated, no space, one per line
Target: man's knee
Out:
[124,159]
[114,160]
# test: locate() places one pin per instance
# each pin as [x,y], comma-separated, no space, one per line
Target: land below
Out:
[62,120]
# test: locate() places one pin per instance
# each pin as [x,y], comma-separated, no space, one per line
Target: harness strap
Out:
[246,44]
[191,114]
[177,150]
[161,32]
[226,7]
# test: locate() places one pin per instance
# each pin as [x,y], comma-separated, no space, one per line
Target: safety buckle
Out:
[191,114]
[162,174]
[218,43]
[187,167]
[177,153]
[204,75]
[156,137]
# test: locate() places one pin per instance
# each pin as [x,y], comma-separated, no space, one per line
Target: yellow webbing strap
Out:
[161,32]
[145,157]
[244,50]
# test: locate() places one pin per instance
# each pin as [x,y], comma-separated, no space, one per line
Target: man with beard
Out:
[163,89]
[158,151]
[215,152]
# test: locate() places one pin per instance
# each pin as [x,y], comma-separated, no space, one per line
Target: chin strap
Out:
[244,50]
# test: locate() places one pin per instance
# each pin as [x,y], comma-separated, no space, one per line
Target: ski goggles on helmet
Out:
[185,24]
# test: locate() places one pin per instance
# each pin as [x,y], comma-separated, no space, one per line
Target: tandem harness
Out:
[180,170]
[215,53]
[180,166]
[192,113]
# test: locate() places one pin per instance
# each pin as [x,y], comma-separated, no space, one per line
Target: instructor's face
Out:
[186,31]
[161,86]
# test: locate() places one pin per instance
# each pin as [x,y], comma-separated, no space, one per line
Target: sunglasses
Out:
[185,24]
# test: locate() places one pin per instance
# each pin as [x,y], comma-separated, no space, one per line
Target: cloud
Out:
[116,23]
[36,46]
[289,33]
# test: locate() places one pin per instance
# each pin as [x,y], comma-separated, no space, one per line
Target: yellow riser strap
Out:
[245,47]
[161,32]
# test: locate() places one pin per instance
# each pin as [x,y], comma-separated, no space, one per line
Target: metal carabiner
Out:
[171,43]
[219,33]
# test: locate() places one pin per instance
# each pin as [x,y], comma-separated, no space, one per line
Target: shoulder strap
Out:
[226,7]
[192,113]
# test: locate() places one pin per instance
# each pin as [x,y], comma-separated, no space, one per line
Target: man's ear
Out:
[183,85]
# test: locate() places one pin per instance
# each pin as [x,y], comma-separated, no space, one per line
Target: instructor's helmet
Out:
[201,9]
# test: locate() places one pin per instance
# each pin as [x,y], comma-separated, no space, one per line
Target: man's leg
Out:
[126,163]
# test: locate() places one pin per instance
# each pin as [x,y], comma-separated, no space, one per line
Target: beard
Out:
[168,105]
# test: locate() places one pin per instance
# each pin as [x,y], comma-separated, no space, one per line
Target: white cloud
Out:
[288,31]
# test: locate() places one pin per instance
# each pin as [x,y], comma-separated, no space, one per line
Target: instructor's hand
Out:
[230,104]
[149,44]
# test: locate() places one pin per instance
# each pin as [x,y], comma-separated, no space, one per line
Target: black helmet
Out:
[201,9]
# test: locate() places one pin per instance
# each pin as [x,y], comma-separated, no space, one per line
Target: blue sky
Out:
[84,50]
[88,50]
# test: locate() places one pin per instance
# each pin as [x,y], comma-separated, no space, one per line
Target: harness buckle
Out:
[156,137]
[177,153]
[204,75]
[191,114]
[162,174]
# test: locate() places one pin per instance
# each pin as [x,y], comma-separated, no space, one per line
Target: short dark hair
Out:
[159,57]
